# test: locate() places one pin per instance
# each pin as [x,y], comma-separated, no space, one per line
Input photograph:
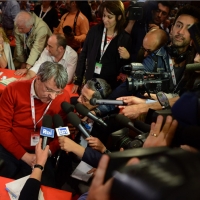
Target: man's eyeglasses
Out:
[146,50]
[52,91]
[98,87]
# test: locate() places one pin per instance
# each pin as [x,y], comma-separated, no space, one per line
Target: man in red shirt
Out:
[23,106]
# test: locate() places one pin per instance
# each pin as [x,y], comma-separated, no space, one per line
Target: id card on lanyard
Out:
[34,135]
[98,65]
[172,71]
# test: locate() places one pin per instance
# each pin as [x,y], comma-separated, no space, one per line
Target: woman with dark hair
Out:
[48,13]
[106,48]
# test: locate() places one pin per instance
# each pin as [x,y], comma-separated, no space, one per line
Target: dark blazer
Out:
[90,51]
[91,157]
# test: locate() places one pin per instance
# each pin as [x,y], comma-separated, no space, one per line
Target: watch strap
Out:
[39,166]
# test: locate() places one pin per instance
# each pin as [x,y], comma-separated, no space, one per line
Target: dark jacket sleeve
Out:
[91,157]
[30,190]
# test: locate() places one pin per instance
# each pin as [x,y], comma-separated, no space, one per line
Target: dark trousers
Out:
[14,168]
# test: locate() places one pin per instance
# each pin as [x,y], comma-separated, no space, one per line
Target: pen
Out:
[12,193]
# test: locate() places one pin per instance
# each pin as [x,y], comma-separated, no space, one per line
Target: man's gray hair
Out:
[50,70]
[24,18]
[105,86]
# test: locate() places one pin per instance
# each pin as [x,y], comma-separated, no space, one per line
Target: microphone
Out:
[142,126]
[193,67]
[75,121]
[59,126]
[67,107]
[125,121]
[45,130]
[81,109]
[94,102]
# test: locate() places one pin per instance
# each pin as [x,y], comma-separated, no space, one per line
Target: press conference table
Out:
[10,73]
[49,193]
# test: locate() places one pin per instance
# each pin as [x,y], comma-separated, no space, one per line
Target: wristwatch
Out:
[39,166]
[27,67]
[106,151]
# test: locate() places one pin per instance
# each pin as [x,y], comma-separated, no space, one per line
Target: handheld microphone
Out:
[125,121]
[94,102]
[45,130]
[67,107]
[59,126]
[81,109]
[76,122]
[193,67]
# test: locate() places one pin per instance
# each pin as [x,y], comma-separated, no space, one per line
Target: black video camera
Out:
[150,82]
[122,139]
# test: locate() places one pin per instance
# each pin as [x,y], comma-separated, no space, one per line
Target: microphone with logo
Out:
[46,131]
[81,109]
[76,122]
[61,130]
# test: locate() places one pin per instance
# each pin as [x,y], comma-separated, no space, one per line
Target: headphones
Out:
[173,52]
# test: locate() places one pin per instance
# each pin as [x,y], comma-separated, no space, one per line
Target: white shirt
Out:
[69,60]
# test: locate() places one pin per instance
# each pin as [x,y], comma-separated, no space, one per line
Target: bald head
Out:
[154,40]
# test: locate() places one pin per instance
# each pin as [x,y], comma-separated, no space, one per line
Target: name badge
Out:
[35,136]
[98,67]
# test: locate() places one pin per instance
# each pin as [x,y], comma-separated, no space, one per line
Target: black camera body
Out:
[122,139]
[169,175]
[150,82]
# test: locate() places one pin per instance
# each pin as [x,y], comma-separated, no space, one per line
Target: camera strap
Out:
[75,21]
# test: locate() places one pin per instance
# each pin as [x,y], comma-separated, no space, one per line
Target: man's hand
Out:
[21,72]
[96,144]
[131,100]
[98,190]
[41,155]
[134,111]
[30,159]
[161,137]
[66,144]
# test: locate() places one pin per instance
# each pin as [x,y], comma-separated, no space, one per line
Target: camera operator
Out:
[181,42]
[156,13]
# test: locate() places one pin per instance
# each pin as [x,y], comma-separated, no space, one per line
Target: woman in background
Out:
[5,51]
[106,48]
[48,13]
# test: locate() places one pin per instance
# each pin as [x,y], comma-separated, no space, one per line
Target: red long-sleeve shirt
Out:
[16,124]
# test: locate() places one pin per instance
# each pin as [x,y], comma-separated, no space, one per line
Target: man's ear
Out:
[191,42]
[119,17]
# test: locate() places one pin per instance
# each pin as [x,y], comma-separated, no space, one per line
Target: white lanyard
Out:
[44,12]
[33,107]
[172,71]
[103,49]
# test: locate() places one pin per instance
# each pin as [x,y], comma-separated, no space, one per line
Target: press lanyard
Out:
[103,48]
[172,71]
[33,107]
[44,12]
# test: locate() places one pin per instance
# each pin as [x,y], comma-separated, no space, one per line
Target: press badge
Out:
[35,137]
[98,67]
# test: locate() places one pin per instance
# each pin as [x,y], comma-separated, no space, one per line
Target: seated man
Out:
[23,106]
[31,34]
[57,51]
